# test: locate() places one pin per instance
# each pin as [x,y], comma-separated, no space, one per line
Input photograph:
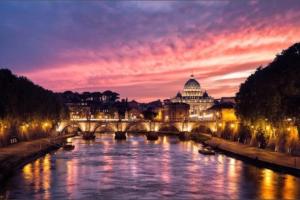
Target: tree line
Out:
[23,100]
[272,94]
[27,111]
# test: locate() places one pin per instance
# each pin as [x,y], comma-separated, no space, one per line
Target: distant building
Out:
[223,112]
[134,114]
[159,113]
[95,105]
[194,96]
[175,112]
[79,110]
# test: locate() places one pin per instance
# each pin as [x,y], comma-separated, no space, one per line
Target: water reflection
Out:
[289,187]
[274,186]
[141,169]
[37,175]
[166,162]
[267,184]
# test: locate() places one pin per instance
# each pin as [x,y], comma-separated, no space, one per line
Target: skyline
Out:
[134,48]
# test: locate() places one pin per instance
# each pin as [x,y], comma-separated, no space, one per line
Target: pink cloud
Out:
[165,64]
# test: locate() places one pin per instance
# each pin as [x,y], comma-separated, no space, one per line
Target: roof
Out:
[192,83]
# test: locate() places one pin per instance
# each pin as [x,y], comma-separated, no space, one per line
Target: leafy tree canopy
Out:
[273,92]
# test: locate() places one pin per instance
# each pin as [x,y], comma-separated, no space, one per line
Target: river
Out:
[140,169]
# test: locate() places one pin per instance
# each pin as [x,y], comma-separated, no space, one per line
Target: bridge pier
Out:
[120,135]
[151,135]
[184,135]
[88,135]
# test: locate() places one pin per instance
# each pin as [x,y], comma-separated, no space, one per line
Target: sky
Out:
[144,50]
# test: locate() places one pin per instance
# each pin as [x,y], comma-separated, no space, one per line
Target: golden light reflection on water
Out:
[46,176]
[38,174]
[289,188]
[271,189]
[267,189]
[27,172]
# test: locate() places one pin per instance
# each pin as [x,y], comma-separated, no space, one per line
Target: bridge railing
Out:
[138,120]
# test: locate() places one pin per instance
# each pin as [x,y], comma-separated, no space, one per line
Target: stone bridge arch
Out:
[169,127]
[204,127]
[66,127]
[137,127]
[105,127]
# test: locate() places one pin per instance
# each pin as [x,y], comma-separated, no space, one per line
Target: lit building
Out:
[134,114]
[194,96]
[79,110]
[223,112]
[175,112]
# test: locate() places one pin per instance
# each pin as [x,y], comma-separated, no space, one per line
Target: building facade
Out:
[175,112]
[198,100]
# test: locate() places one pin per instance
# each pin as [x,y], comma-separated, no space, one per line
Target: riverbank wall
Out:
[260,157]
[16,156]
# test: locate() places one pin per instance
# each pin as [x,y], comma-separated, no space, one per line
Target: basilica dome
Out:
[192,85]
[193,95]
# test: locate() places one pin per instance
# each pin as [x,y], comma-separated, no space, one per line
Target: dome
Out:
[192,84]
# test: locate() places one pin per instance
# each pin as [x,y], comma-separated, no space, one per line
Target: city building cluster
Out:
[191,104]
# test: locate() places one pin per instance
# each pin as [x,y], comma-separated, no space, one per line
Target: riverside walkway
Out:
[16,155]
[276,159]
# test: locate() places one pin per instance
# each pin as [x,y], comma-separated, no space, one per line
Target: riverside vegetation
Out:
[27,111]
[268,105]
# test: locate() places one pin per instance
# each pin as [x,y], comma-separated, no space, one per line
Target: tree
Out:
[272,92]
[149,114]
[261,139]
[244,134]
[111,96]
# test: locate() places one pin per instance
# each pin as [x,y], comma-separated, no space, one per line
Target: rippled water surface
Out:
[139,169]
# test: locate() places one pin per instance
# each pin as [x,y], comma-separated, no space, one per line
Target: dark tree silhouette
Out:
[21,99]
[23,103]
[149,114]
[273,92]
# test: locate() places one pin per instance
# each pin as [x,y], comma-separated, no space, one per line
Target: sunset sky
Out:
[144,50]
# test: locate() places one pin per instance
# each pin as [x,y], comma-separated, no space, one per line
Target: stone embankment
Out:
[17,155]
[275,160]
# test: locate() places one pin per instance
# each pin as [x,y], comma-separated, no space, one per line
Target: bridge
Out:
[113,125]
